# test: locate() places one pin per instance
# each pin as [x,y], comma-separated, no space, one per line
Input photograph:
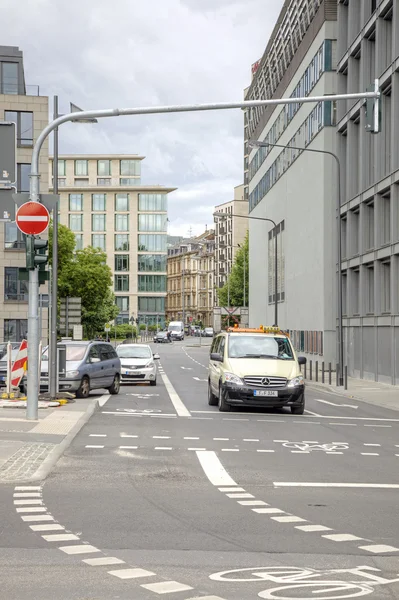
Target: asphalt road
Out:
[182,493]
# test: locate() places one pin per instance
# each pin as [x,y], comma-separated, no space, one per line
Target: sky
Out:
[130,53]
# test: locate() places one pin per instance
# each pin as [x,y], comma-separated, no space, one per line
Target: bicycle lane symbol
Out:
[307,583]
[309,447]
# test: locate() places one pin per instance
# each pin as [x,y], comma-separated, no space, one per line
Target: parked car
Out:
[89,366]
[161,338]
[208,332]
[137,363]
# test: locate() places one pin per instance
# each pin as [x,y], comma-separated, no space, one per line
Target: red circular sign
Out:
[32,218]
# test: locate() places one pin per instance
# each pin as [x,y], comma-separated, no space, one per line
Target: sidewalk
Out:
[372,392]
[29,449]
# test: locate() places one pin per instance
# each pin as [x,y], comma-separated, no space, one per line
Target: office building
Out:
[295,189]
[103,202]
[368,49]
[230,231]
[190,269]
[22,104]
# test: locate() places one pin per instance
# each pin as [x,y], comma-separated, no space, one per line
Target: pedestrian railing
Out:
[319,371]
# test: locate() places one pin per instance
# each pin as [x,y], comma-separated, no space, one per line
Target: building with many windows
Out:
[230,231]
[292,186]
[190,271]
[103,202]
[21,104]
[368,49]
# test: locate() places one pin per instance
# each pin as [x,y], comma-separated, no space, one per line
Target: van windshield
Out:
[174,328]
[258,346]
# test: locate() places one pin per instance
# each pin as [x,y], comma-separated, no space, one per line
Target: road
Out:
[160,494]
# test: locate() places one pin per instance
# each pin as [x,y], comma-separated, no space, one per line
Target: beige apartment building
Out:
[103,202]
[230,231]
[190,269]
[21,104]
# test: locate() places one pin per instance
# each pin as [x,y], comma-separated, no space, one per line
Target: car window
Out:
[216,344]
[105,352]
[222,346]
[75,352]
[93,352]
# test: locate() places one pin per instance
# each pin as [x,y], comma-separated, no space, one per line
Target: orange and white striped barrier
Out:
[20,363]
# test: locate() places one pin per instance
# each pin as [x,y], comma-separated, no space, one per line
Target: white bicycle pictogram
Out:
[310,447]
[307,583]
[144,411]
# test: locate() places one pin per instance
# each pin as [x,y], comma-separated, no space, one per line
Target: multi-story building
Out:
[230,231]
[21,104]
[368,49]
[190,280]
[294,188]
[103,202]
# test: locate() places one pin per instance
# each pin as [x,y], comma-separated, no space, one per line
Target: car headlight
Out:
[72,374]
[149,365]
[231,378]
[296,381]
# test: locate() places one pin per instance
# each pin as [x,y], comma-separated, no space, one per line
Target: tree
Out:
[234,287]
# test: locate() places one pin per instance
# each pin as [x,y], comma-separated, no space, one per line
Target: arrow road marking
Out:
[332,404]
[198,379]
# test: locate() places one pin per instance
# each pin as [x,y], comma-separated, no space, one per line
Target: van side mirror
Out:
[156,356]
[216,357]
[302,360]
[94,359]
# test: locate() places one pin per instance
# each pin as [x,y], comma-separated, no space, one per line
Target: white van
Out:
[176,329]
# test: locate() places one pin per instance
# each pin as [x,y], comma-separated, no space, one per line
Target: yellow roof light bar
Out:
[261,329]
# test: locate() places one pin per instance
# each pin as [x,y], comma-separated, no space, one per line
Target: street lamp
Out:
[217,215]
[256,144]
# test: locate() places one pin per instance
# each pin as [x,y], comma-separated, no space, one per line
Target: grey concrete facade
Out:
[368,48]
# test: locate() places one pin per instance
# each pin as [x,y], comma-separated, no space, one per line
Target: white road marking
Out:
[369,453]
[234,419]
[289,519]
[196,449]
[198,379]
[103,561]
[300,452]
[103,400]
[163,448]
[379,548]
[28,518]
[214,469]
[187,368]
[230,449]
[127,435]
[175,398]
[93,446]
[27,502]
[312,528]
[333,404]
[131,573]
[47,527]
[60,537]
[281,441]
[344,424]
[31,509]
[239,495]
[221,439]
[231,489]
[268,511]
[166,587]
[252,503]
[315,442]
[334,452]
[97,435]
[27,488]
[265,451]
[161,437]
[128,447]
[250,440]
[27,495]
[341,537]
[80,549]
[377,486]
[312,413]
[378,426]
[191,438]
[377,445]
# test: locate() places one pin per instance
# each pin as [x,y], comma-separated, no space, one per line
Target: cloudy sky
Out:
[128,53]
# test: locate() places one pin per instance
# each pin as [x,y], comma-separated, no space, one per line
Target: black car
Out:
[162,338]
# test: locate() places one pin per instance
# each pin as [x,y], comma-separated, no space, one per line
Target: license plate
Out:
[3,378]
[265,393]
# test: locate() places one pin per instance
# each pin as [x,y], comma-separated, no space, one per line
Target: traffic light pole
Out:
[53,363]
[33,332]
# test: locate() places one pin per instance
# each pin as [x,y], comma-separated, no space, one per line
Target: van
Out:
[176,329]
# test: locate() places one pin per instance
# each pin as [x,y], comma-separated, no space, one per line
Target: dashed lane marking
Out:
[163,448]
[79,549]
[379,548]
[313,528]
[30,509]
[267,511]
[131,573]
[166,587]
[245,495]
[231,489]
[94,446]
[47,527]
[31,518]
[60,537]
[27,495]
[97,435]
[252,503]
[27,488]
[102,561]
[341,537]
[289,519]
[128,447]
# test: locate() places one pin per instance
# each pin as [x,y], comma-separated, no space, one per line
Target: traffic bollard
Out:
[345,377]
[337,375]
[329,373]
[322,372]
[305,371]
[317,370]
[310,370]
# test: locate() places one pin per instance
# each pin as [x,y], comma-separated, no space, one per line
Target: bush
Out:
[123,331]
[142,327]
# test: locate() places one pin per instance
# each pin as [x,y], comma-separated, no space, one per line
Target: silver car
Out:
[89,366]
[137,363]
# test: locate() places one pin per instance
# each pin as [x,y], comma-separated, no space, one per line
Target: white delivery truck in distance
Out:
[176,329]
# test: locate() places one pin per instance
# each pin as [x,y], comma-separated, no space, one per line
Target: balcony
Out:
[14,89]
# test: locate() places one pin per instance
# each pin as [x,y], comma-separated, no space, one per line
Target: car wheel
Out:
[298,410]
[116,385]
[223,406]
[154,382]
[84,388]
[212,399]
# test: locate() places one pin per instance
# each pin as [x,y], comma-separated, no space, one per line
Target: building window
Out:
[368,212]
[121,222]
[76,222]
[344,293]
[61,182]
[75,201]
[61,168]
[9,78]
[121,283]
[121,262]
[98,202]
[23,172]
[98,241]
[152,283]
[279,231]
[385,218]
[103,182]
[153,202]
[152,243]
[151,304]
[24,124]
[122,202]
[81,183]
[122,241]
[98,222]
[354,231]
[81,168]
[78,241]
[122,302]
[103,167]
[14,289]
[15,330]
[385,267]
[152,262]
[130,167]
[13,237]
[130,181]
[152,222]
[355,291]
[369,292]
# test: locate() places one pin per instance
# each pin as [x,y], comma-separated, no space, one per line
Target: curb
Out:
[346,394]
[54,456]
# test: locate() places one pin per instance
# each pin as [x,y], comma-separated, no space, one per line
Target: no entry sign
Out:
[32,218]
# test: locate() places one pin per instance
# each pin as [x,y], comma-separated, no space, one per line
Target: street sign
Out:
[77,332]
[32,218]
[8,152]
[7,204]
[70,313]
[107,328]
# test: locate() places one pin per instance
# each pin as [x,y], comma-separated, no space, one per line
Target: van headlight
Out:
[72,374]
[231,378]
[296,381]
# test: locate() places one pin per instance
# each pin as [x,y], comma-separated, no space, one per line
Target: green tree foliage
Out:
[66,246]
[236,279]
